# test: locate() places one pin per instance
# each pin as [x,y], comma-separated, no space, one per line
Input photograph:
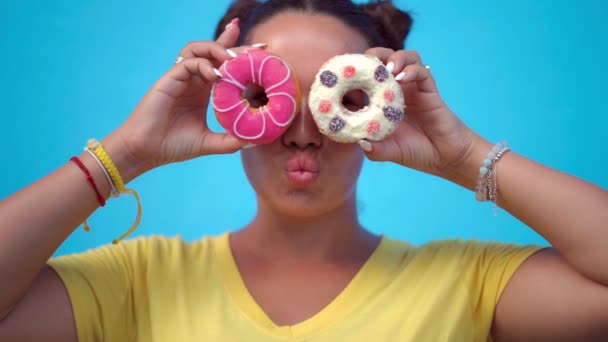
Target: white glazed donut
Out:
[342,74]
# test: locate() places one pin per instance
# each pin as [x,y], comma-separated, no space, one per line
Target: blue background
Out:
[529,72]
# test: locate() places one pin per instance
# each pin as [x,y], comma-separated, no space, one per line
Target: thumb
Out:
[230,35]
[221,143]
[384,150]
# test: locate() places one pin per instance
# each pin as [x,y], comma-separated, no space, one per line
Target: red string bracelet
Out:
[90,179]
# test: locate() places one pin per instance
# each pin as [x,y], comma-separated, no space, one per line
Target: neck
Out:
[334,235]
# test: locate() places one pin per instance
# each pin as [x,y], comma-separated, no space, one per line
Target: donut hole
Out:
[255,95]
[355,100]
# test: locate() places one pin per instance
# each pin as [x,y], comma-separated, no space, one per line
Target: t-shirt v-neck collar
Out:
[372,276]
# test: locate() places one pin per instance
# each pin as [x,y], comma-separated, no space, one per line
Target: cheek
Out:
[261,168]
[253,165]
[346,162]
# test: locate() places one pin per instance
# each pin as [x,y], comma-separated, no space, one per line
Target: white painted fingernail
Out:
[259,45]
[231,53]
[217,72]
[248,146]
[365,145]
[390,67]
[400,77]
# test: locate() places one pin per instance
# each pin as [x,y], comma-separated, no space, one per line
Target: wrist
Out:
[465,171]
[118,166]
[127,164]
[100,181]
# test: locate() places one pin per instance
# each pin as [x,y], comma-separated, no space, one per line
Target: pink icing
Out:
[264,124]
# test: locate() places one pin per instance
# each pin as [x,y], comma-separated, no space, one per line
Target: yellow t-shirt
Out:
[165,289]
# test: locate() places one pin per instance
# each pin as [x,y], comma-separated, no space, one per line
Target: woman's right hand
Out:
[170,123]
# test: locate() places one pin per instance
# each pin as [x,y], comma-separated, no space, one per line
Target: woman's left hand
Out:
[431,138]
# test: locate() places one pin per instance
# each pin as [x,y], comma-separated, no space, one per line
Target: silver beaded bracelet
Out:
[487,183]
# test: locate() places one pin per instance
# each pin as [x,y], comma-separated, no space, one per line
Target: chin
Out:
[301,206]
[304,203]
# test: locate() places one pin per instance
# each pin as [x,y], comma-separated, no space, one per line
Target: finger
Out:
[230,36]
[419,74]
[366,145]
[381,53]
[214,51]
[221,143]
[206,49]
[403,58]
[249,47]
[177,80]
[395,60]
[194,66]
[231,33]
[379,150]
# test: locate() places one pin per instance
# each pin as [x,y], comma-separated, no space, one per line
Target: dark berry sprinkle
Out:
[336,124]
[328,78]
[381,74]
[393,114]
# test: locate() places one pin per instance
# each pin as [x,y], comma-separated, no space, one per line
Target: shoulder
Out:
[455,246]
[474,255]
[472,249]
[140,252]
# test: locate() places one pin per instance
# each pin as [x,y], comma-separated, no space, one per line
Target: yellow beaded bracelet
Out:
[97,149]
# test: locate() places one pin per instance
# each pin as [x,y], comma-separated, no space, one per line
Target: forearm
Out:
[570,213]
[37,219]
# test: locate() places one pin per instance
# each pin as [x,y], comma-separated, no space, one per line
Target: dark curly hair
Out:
[380,22]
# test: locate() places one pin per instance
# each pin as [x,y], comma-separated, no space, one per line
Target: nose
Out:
[303,132]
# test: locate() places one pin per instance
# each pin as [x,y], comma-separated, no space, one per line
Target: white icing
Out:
[242,136]
[280,124]
[263,111]
[252,68]
[231,79]
[356,122]
[234,83]
[223,110]
[268,89]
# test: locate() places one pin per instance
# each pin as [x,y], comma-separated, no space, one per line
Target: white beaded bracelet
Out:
[487,183]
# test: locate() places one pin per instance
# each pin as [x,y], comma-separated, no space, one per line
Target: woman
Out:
[304,268]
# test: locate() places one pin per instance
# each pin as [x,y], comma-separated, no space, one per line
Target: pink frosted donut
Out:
[234,112]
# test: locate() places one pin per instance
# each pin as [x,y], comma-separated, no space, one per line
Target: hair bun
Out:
[391,22]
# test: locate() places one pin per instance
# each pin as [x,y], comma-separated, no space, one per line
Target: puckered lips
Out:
[302,169]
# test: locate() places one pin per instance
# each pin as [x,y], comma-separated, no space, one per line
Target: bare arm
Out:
[547,300]
[567,211]
[43,314]
[570,213]
[560,293]
[168,125]
[35,221]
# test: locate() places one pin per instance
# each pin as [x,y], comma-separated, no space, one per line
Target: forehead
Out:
[306,40]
